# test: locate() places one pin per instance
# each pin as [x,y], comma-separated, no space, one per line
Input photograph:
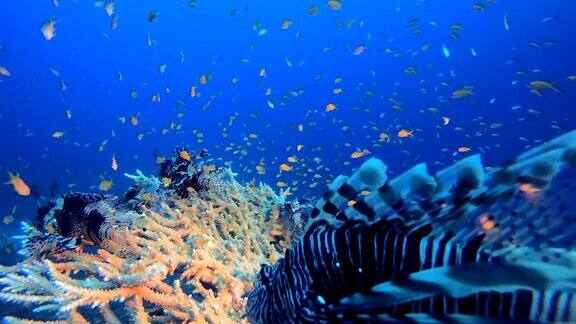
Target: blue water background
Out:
[213,42]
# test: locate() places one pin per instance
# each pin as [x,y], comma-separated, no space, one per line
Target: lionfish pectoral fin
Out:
[567,140]
[370,176]
[469,171]
[439,319]
[541,163]
[399,194]
[462,281]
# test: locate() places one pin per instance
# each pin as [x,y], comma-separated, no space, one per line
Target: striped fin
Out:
[397,195]
[371,175]
[427,318]
[552,289]
[566,142]
[539,165]
[461,177]
[415,192]
[411,194]
[465,280]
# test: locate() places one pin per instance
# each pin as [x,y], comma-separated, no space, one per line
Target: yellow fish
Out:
[359,154]
[334,4]
[166,181]
[105,185]
[537,86]
[461,93]
[285,167]
[48,29]
[109,8]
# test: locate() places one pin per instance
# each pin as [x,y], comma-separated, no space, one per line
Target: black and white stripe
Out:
[415,248]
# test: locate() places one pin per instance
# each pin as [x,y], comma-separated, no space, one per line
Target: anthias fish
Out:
[463,245]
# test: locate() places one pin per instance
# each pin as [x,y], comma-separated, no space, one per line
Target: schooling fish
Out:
[464,245]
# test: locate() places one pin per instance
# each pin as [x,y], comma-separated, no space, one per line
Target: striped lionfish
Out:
[75,217]
[467,244]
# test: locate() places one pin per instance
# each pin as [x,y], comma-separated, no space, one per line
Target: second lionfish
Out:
[468,244]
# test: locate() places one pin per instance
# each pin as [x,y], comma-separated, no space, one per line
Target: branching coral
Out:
[179,260]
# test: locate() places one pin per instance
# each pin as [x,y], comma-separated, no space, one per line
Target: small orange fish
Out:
[486,223]
[330,107]
[285,167]
[185,155]
[529,189]
[403,133]
[114,163]
[19,185]
[286,24]
[359,154]
[464,149]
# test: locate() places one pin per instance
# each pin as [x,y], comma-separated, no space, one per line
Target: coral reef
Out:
[152,255]
[467,243]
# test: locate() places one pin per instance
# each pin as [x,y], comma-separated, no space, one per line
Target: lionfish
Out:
[74,217]
[193,174]
[467,244]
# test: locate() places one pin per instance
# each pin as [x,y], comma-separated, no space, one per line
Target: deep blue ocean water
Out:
[500,119]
